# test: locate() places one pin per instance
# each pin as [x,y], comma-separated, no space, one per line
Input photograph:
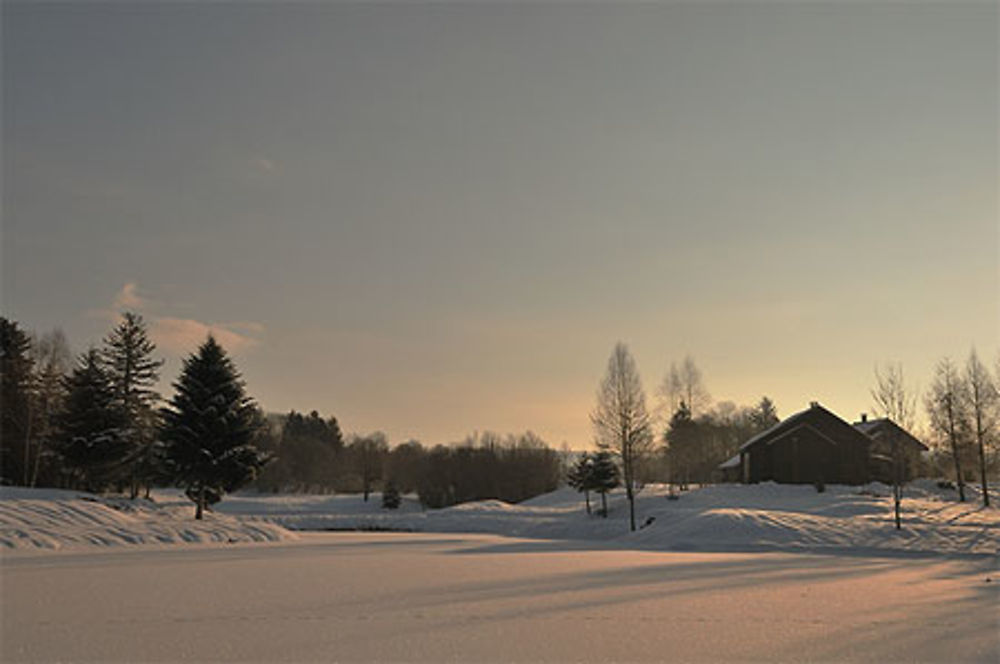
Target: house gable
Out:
[813,445]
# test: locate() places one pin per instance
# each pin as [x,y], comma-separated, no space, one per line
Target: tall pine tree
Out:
[16,373]
[128,357]
[92,443]
[210,427]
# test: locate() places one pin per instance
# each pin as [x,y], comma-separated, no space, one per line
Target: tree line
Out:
[99,425]
[310,455]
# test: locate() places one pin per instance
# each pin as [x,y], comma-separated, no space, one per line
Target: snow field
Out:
[417,597]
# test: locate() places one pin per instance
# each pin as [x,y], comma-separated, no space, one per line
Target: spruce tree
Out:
[210,428]
[581,476]
[16,372]
[604,477]
[92,441]
[128,357]
[390,496]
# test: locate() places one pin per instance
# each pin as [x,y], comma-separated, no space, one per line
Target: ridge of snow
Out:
[54,519]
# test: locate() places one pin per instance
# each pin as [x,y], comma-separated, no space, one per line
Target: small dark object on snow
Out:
[649,522]
[946,484]
[212,496]
[989,580]
[673,496]
[390,497]
[820,486]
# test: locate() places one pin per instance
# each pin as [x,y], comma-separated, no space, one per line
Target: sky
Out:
[430,219]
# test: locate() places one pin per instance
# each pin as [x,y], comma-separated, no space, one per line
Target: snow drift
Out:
[54,519]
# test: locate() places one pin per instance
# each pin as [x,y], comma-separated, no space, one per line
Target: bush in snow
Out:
[390,496]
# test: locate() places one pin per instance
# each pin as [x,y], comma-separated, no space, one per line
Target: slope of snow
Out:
[54,519]
[728,517]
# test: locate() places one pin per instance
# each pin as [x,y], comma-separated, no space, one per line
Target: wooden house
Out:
[885,435]
[809,447]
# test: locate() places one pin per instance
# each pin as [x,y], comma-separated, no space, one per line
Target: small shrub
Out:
[390,497]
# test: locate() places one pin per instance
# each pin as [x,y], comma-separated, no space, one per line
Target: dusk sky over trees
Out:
[434,219]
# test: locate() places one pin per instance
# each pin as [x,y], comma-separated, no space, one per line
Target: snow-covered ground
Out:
[728,517]
[723,573]
[721,518]
[50,519]
[412,597]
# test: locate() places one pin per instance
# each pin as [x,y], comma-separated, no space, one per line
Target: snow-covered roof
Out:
[870,428]
[731,462]
[865,426]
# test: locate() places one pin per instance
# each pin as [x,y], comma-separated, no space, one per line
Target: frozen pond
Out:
[424,597]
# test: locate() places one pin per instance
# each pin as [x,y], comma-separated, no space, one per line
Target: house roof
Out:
[780,426]
[808,417]
[731,462]
[883,425]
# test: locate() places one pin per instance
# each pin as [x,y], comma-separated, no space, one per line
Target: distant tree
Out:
[581,477]
[682,440]
[309,453]
[893,399]
[367,456]
[91,442]
[984,401]
[210,427]
[128,356]
[273,477]
[52,361]
[947,409]
[16,385]
[404,465]
[671,391]
[390,496]
[621,423]
[763,416]
[511,468]
[604,477]
[684,384]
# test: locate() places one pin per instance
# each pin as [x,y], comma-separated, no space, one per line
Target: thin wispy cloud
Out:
[128,298]
[183,335]
[263,165]
[179,335]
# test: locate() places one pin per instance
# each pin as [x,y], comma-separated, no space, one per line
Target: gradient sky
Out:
[435,218]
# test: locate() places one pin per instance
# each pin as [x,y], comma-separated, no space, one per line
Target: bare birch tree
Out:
[52,361]
[895,401]
[621,423]
[947,409]
[983,402]
[892,397]
[683,384]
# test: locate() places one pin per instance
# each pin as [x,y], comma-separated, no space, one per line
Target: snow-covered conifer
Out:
[129,363]
[210,426]
[92,443]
